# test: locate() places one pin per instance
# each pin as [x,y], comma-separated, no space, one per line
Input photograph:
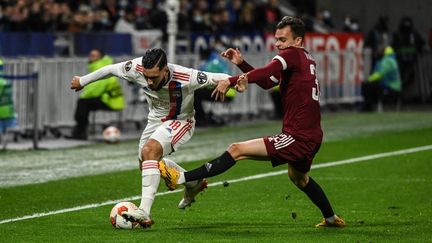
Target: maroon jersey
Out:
[300,95]
[294,70]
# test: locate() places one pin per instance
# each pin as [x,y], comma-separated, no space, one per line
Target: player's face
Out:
[284,38]
[155,77]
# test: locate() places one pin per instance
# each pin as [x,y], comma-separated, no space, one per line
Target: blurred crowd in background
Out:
[213,16]
[199,15]
[104,15]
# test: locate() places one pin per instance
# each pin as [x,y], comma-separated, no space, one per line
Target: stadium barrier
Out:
[56,102]
[25,104]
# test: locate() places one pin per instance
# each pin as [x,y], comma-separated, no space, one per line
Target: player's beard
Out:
[160,85]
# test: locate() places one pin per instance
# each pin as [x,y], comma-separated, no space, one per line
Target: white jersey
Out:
[175,100]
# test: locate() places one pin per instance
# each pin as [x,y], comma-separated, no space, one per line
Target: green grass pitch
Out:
[387,199]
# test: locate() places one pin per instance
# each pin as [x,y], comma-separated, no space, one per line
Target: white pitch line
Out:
[247,178]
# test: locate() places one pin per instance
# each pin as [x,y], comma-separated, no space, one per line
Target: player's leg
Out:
[192,188]
[251,149]
[149,153]
[315,193]
[181,132]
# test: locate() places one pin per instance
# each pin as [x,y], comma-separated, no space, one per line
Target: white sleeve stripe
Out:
[284,64]
[274,79]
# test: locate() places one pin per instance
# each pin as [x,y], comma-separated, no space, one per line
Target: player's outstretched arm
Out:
[102,73]
[233,55]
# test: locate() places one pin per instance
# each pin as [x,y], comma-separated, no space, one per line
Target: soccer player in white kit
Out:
[169,91]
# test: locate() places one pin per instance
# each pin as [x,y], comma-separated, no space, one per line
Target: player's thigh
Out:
[174,133]
[145,136]
[251,149]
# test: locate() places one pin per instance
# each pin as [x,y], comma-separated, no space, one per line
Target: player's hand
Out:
[221,89]
[75,84]
[234,55]
[242,83]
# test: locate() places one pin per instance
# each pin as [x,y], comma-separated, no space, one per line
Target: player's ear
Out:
[298,41]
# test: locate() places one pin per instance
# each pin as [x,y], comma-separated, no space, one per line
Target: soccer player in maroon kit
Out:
[293,68]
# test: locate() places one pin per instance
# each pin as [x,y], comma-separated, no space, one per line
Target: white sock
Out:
[181,179]
[150,182]
[331,219]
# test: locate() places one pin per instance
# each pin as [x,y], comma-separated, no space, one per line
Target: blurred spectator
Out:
[101,21]
[234,8]
[106,94]
[271,14]
[113,12]
[408,45]
[324,18]
[184,15]
[126,23]
[16,16]
[158,18]
[212,62]
[227,26]
[36,18]
[7,110]
[80,22]
[378,36]
[216,21]
[384,84]
[58,16]
[200,18]
[246,21]
[351,24]
[142,13]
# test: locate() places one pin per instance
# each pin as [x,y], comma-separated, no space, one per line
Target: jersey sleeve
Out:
[265,76]
[201,79]
[288,58]
[125,70]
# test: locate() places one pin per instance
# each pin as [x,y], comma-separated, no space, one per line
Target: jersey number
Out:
[174,124]
[315,90]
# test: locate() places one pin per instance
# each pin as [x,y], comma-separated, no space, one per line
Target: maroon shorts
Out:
[283,148]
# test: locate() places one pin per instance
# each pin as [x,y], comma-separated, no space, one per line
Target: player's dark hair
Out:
[298,27]
[153,57]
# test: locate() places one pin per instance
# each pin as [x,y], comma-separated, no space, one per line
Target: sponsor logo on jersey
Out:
[128,66]
[159,103]
[169,130]
[202,78]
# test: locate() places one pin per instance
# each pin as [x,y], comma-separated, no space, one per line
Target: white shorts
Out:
[170,134]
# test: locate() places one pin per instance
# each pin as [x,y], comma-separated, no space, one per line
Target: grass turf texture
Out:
[385,199]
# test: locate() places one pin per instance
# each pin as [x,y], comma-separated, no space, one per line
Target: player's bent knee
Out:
[299,182]
[150,153]
[235,150]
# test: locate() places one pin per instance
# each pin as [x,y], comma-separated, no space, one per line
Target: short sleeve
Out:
[130,70]
[288,58]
